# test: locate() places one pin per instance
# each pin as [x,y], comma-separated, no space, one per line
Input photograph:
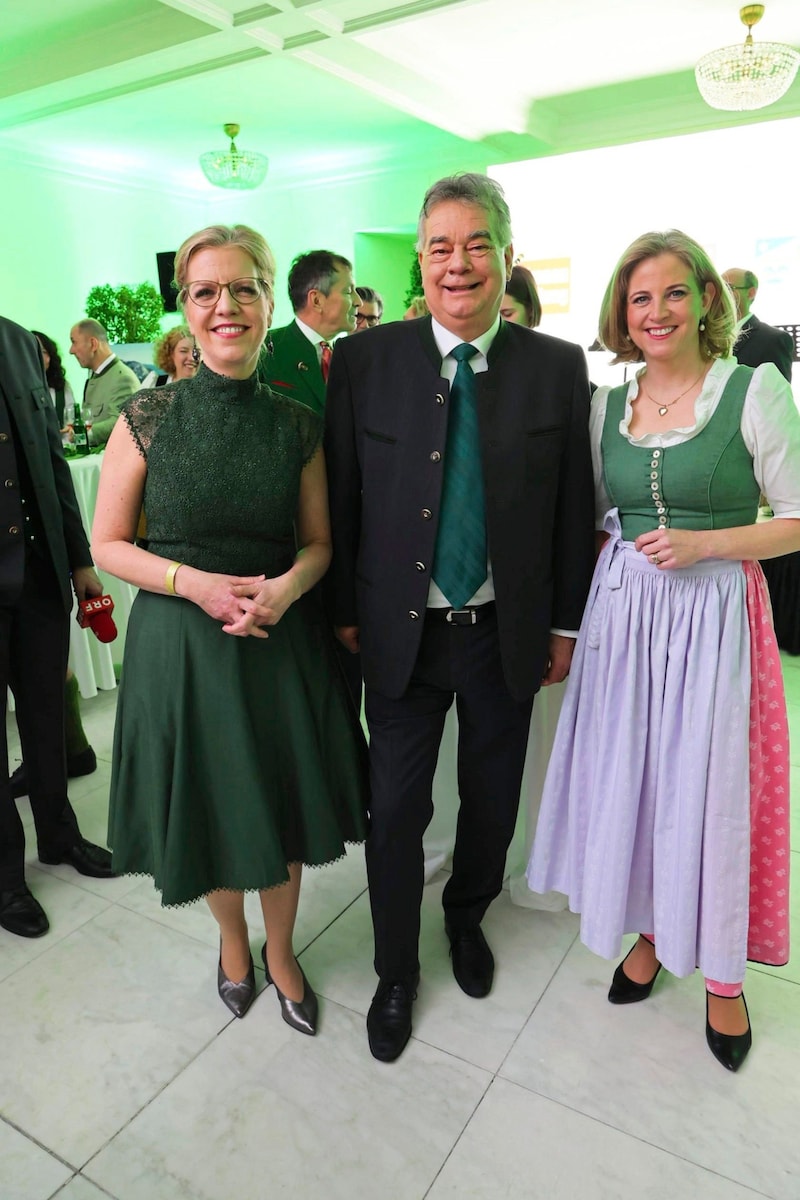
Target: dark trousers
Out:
[461,662]
[34,643]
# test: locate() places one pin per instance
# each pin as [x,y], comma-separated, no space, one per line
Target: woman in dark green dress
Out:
[237,754]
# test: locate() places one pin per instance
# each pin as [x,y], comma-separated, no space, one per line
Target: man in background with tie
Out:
[462,513]
[325,302]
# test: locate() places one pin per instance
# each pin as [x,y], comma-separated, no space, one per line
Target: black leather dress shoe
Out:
[625,990]
[473,961]
[21,913]
[389,1019]
[85,857]
[83,763]
[730,1049]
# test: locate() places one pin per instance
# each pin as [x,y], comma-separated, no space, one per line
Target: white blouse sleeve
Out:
[771,432]
[597,416]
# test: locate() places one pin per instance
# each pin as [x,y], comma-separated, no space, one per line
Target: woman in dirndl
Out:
[665,809]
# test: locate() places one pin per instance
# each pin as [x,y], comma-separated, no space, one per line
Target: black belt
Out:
[461,616]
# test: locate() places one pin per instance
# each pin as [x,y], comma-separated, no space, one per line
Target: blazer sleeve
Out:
[75,539]
[344,492]
[573,534]
[784,354]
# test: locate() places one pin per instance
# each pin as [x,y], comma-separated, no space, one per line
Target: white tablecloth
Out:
[93,661]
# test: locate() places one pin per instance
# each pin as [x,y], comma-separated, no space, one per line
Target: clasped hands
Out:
[246,603]
[670,548]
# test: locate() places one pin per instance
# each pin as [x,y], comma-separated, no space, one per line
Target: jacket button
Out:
[13,529]
[9,483]
[420,566]
[3,437]
[439,398]
[413,614]
[435,456]
[426,514]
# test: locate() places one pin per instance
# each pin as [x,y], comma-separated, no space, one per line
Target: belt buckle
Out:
[470,613]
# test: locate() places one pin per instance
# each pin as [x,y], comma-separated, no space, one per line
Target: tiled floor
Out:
[124,1076]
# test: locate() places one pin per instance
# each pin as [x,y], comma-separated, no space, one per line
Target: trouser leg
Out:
[404,744]
[37,665]
[12,836]
[492,742]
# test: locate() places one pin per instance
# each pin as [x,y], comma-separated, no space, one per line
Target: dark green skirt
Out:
[232,756]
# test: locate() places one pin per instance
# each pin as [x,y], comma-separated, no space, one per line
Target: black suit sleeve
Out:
[784,353]
[573,532]
[344,491]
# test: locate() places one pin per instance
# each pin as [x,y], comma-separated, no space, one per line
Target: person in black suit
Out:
[42,547]
[398,459]
[756,342]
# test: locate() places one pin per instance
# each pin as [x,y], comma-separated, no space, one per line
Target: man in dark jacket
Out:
[462,516]
[756,342]
[42,547]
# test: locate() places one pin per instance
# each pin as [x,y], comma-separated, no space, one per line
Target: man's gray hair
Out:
[469,188]
[93,328]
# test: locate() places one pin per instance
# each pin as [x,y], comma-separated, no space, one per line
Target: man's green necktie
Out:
[459,566]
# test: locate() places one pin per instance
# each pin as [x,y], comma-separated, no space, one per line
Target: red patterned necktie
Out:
[325,361]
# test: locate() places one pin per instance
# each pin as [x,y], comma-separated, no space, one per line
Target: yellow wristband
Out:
[169,580]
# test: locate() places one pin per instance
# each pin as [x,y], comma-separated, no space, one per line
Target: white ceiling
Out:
[139,88]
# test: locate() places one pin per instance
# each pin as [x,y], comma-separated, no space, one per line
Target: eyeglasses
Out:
[738,287]
[206,293]
[364,319]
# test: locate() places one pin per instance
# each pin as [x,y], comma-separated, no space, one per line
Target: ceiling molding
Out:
[131,87]
[205,11]
[331,83]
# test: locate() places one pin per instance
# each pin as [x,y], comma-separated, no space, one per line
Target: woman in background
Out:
[175,356]
[60,391]
[521,303]
[237,753]
[665,806]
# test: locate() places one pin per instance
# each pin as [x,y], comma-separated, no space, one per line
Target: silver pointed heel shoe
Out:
[237,996]
[300,1014]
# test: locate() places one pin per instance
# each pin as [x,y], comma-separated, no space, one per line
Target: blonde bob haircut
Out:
[214,237]
[716,340]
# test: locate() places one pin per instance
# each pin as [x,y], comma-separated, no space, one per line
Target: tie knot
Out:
[464,352]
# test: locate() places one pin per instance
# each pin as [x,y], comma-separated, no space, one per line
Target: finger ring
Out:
[655,560]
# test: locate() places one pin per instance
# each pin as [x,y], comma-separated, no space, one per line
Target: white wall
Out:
[732,190]
[62,234]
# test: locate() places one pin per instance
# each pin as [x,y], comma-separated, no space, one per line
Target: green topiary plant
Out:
[128,314]
[414,281]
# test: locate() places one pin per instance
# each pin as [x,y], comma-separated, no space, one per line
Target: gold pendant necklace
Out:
[663,409]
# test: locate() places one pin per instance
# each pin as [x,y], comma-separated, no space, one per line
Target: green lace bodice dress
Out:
[232,756]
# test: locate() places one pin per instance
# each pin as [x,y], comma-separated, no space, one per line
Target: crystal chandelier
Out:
[736,78]
[234,168]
